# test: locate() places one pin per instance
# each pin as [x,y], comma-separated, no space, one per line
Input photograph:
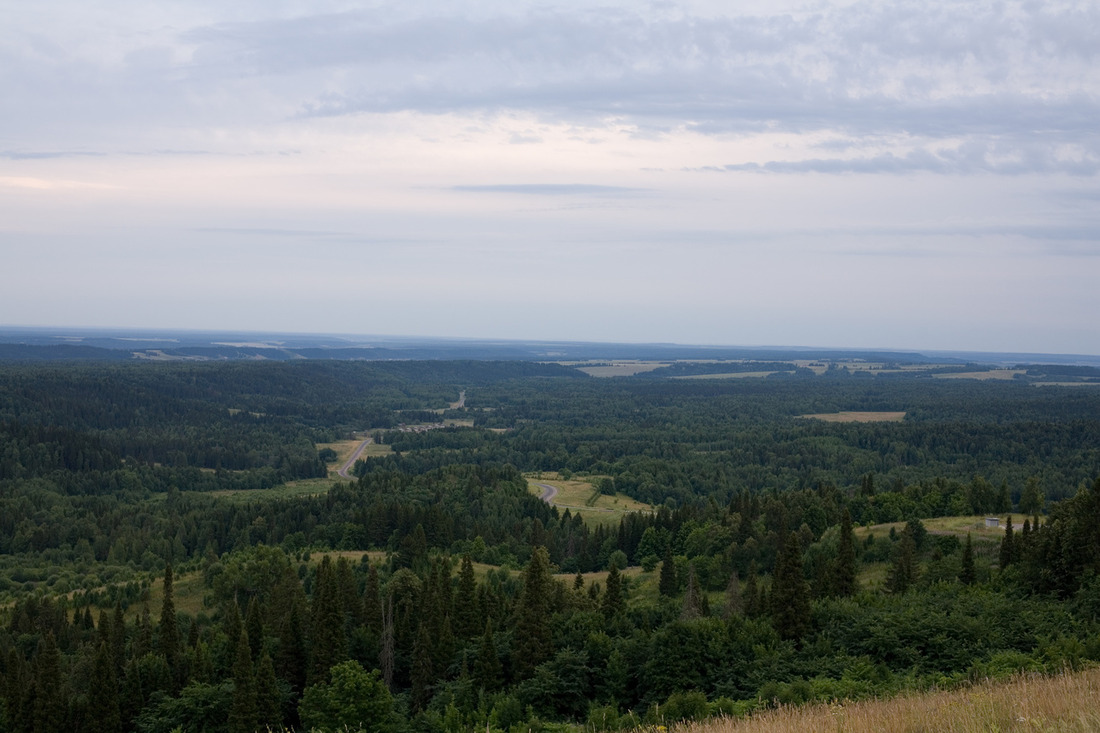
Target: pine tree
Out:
[967,576]
[790,598]
[1008,548]
[844,568]
[532,644]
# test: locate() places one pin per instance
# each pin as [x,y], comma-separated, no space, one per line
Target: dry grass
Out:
[858,416]
[987,374]
[1067,703]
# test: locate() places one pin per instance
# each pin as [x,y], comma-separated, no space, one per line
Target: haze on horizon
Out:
[918,175]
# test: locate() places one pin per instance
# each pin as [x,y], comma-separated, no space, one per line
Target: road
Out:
[548,492]
[461,401]
[345,470]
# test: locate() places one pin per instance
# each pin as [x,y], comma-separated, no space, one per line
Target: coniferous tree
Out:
[243,716]
[844,568]
[612,602]
[254,625]
[468,621]
[326,633]
[372,603]
[1008,548]
[269,698]
[532,643]
[903,569]
[692,606]
[669,584]
[423,674]
[487,667]
[103,706]
[790,598]
[967,575]
[734,605]
[168,633]
[753,606]
[50,706]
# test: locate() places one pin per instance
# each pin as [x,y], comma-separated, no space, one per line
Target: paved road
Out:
[345,470]
[548,492]
[461,401]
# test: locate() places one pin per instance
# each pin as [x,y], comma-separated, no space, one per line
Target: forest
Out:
[177,552]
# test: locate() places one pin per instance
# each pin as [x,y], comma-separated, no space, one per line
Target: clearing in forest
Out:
[582,496]
[846,416]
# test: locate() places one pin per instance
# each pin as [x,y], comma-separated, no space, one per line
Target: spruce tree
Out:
[967,575]
[669,584]
[326,633]
[467,623]
[692,607]
[50,704]
[487,667]
[532,644]
[903,569]
[254,625]
[243,716]
[790,598]
[844,568]
[612,603]
[733,605]
[753,606]
[269,698]
[103,706]
[168,632]
[422,671]
[1008,548]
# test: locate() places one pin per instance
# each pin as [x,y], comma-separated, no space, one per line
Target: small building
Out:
[992,522]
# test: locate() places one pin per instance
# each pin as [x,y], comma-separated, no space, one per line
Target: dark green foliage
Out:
[790,597]
[967,573]
[612,602]
[844,567]
[243,715]
[1007,555]
[353,698]
[531,643]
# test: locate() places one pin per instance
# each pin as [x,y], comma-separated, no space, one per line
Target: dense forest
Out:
[157,572]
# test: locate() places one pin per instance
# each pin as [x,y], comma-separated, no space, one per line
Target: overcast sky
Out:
[857,174]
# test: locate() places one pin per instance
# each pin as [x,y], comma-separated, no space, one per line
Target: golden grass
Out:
[858,416]
[959,526]
[1067,703]
[987,374]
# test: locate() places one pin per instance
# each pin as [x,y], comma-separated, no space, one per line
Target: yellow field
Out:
[1067,703]
[858,416]
[987,374]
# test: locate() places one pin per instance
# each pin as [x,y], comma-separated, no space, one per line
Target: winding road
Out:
[548,492]
[345,470]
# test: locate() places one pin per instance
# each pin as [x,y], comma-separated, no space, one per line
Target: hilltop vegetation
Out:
[155,573]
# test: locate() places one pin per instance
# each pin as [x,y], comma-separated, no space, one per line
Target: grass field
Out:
[619,368]
[959,526]
[581,496]
[858,416]
[987,374]
[1068,703]
[729,375]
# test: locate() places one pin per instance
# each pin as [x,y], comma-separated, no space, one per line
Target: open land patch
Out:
[847,416]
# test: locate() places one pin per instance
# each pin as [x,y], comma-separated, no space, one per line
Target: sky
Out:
[918,175]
